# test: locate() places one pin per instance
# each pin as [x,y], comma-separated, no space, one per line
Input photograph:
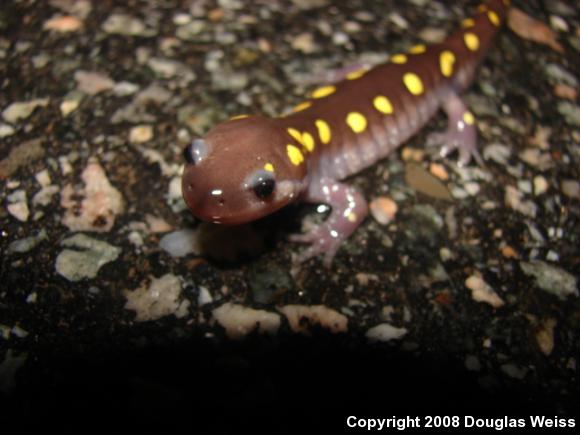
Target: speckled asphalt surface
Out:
[459,294]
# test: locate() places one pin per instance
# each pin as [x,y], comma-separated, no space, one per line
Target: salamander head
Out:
[241,171]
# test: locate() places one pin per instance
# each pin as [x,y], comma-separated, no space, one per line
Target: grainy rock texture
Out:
[460,289]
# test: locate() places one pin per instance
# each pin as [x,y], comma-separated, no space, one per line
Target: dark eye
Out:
[195,152]
[188,155]
[264,187]
[262,183]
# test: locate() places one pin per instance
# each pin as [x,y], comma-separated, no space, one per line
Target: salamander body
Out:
[251,166]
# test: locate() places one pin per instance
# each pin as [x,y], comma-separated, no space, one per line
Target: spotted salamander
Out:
[251,166]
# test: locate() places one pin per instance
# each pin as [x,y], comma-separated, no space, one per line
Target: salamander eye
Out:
[262,183]
[264,188]
[195,152]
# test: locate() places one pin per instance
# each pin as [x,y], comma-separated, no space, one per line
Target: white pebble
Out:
[19,332]
[385,332]
[180,243]
[204,297]
[540,185]
[482,292]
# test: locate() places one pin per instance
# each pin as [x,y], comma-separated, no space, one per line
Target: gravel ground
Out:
[458,294]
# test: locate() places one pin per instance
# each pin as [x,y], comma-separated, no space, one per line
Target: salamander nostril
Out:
[221,201]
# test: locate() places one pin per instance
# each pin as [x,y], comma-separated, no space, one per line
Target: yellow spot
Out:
[418,49]
[295,134]
[323,131]
[269,167]
[356,74]
[351,217]
[233,118]
[468,118]
[323,91]
[468,22]
[494,18]
[446,62]
[399,59]
[294,154]
[356,121]
[482,8]
[471,41]
[302,106]
[308,141]
[413,83]
[383,104]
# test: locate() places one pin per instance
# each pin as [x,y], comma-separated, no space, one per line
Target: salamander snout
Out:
[240,171]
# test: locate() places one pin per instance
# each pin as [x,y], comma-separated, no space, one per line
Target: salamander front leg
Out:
[461,133]
[349,209]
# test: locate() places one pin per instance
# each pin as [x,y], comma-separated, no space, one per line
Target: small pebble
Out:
[534,157]
[204,297]
[63,24]
[27,244]
[551,279]
[94,207]
[439,171]
[545,336]
[122,24]
[22,109]
[92,83]
[162,297]
[71,102]
[383,209]
[385,332]
[482,292]
[509,252]
[141,134]
[302,317]
[136,239]
[541,138]
[565,91]
[6,130]
[540,185]
[44,196]
[123,89]
[525,186]
[181,19]
[84,257]
[570,112]
[43,178]
[514,199]
[191,31]
[412,154]
[498,153]
[19,332]
[238,321]
[304,43]
[32,298]
[17,205]
[559,23]
[180,243]
[571,188]
[472,188]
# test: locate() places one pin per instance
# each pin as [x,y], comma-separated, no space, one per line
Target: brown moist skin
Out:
[251,166]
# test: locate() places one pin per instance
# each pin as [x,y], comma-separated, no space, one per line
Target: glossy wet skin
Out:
[234,174]
[247,168]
